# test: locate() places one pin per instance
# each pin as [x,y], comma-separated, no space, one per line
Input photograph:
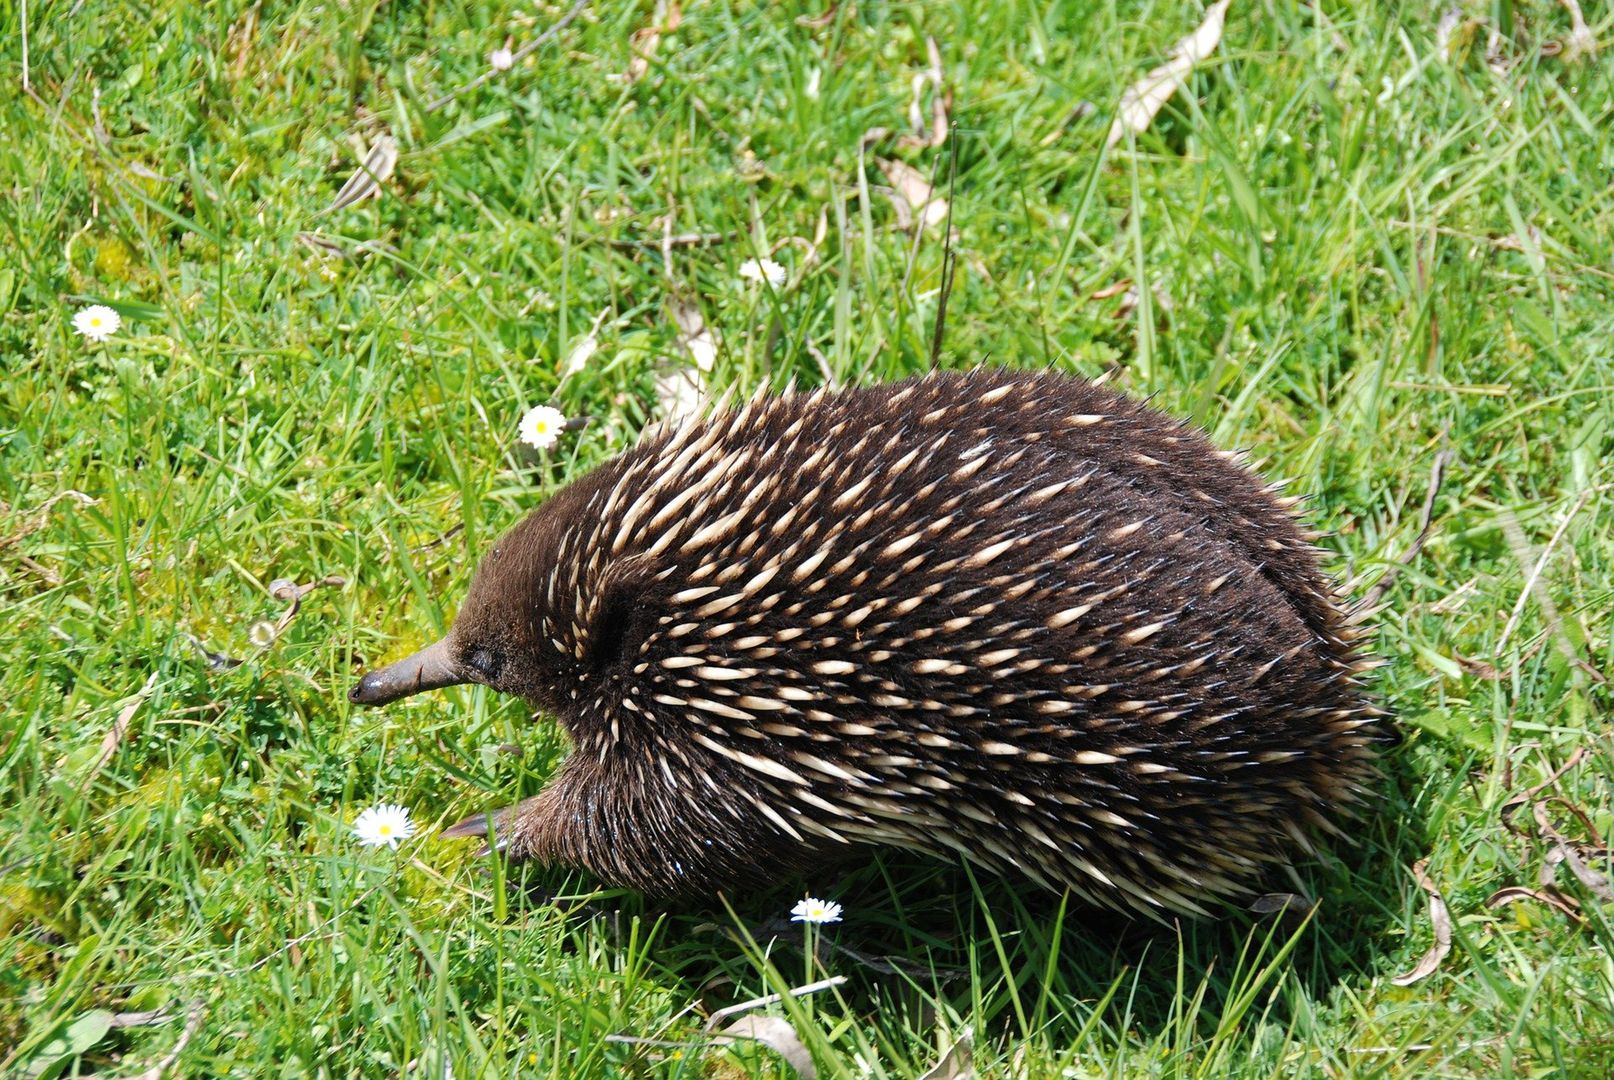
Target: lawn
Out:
[1373,247]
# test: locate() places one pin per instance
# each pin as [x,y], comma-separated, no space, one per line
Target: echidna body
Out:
[1012,617]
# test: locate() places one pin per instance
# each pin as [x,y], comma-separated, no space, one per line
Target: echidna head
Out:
[514,631]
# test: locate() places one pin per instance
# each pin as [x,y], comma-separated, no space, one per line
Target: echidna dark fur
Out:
[1012,617]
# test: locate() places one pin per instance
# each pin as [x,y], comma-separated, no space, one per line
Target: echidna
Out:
[1013,617]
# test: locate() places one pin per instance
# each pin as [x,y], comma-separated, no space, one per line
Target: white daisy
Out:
[262,633]
[384,823]
[814,910]
[501,59]
[97,322]
[764,270]
[541,427]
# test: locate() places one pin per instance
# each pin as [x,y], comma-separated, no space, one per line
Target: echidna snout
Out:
[1012,617]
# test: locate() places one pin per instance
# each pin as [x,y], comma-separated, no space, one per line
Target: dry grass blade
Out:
[1141,101]
[149,1018]
[367,179]
[957,1064]
[1441,918]
[675,240]
[1514,802]
[934,133]
[771,999]
[193,1024]
[1479,669]
[41,515]
[1532,582]
[777,1033]
[1437,473]
[118,732]
[515,58]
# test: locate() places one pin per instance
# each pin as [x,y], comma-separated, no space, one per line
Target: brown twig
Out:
[440,541]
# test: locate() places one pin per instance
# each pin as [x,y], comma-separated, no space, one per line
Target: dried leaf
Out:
[1564,851]
[1441,918]
[915,190]
[1512,803]
[1588,879]
[957,1064]
[679,393]
[872,136]
[694,336]
[368,178]
[321,245]
[1284,902]
[1549,896]
[777,1033]
[1115,289]
[935,133]
[145,172]
[1130,298]
[292,593]
[644,41]
[1141,101]
[1479,669]
[584,348]
[818,22]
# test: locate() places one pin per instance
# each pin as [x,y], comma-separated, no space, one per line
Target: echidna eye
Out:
[485,662]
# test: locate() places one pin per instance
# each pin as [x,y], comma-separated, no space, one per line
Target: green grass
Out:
[1358,255]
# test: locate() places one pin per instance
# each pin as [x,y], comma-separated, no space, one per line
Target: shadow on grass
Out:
[920,935]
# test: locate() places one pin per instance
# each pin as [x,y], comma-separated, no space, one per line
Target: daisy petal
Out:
[384,823]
